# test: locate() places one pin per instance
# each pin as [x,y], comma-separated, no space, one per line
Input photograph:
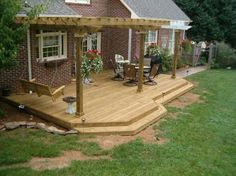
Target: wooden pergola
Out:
[83,25]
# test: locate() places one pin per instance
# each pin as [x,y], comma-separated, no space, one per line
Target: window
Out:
[78,1]
[171,41]
[92,42]
[151,38]
[52,45]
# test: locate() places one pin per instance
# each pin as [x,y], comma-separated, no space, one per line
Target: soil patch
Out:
[57,162]
[108,142]
[14,115]
[185,100]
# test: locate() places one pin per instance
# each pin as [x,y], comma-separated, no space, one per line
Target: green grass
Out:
[202,141]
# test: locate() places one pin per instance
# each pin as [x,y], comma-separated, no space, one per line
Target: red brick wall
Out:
[50,75]
[97,8]
[118,38]
[114,41]
[55,73]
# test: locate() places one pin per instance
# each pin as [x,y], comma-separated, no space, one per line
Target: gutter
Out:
[29,55]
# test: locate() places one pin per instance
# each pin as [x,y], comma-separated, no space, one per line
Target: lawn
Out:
[201,140]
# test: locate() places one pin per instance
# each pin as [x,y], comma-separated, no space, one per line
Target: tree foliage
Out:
[212,19]
[11,34]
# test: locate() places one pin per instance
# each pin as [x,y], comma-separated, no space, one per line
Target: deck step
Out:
[173,95]
[131,129]
[123,117]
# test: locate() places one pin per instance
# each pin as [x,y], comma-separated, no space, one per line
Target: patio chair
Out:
[118,72]
[119,58]
[120,61]
[151,75]
[130,73]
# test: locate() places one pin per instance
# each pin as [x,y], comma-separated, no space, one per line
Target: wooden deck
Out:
[109,106]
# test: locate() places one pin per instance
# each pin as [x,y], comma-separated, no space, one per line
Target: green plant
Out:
[187,46]
[153,50]
[166,57]
[166,60]
[226,56]
[92,62]
[12,35]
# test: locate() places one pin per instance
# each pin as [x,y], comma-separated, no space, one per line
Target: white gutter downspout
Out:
[29,55]
[130,45]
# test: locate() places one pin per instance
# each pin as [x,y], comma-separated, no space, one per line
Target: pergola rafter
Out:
[83,25]
[98,22]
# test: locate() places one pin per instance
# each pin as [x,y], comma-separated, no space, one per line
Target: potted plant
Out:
[6,91]
[92,62]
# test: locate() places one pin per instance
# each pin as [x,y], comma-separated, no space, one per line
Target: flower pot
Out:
[6,91]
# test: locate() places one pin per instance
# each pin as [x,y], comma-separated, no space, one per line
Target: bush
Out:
[226,56]
[166,60]
[186,46]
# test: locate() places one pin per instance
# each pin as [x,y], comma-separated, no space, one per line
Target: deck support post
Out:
[176,53]
[79,83]
[141,61]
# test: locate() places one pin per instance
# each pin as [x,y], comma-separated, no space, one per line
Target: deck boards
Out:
[109,106]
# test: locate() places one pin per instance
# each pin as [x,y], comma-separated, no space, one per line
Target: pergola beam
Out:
[138,24]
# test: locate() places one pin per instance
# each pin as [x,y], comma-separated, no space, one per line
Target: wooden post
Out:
[176,53]
[141,61]
[79,84]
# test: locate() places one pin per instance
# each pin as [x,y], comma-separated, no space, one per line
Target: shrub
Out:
[186,46]
[226,56]
[166,60]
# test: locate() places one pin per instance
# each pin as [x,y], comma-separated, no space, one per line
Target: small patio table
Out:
[70,100]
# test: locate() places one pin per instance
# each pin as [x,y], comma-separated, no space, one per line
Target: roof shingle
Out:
[55,8]
[162,9]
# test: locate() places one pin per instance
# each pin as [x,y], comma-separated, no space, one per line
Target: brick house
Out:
[47,53]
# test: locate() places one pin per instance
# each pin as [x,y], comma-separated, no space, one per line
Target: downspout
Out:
[29,55]
[130,45]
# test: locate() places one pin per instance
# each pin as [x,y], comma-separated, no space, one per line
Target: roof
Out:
[54,8]
[162,9]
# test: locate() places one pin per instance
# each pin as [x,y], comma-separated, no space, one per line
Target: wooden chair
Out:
[28,85]
[46,90]
[130,73]
[118,72]
[151,75]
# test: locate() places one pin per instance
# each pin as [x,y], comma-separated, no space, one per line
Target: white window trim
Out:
[172,42]
[78,1]
[148,43]
[99,39]
[52,58]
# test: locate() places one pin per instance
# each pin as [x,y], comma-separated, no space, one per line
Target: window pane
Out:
[94,44]
[50,41]
[50,51]
[151,37]
[85,44]
[62,45]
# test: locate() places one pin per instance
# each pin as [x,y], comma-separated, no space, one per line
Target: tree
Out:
[212,19]
[11,34]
